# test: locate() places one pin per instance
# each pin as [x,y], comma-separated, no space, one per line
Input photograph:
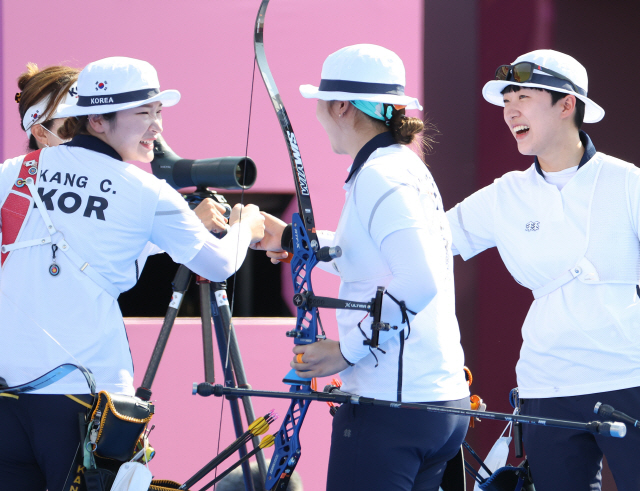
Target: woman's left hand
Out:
[318,359]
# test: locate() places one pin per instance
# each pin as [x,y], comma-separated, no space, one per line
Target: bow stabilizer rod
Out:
[332,394]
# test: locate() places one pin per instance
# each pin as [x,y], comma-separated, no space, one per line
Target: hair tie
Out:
[377,110]
[387,113]
[18,96]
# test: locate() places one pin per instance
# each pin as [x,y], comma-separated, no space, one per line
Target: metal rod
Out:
[615,429]
[207,334]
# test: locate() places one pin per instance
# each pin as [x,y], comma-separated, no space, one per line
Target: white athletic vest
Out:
[612,248]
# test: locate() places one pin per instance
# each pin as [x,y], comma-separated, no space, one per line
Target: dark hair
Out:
[74,126]
[578,115]
[36,84]
[406,130]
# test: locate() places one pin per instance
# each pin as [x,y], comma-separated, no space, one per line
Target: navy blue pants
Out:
[380,448]
[572,459]
[39,437]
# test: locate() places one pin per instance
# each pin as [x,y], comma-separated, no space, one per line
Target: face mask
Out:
[63,141]
[497,456]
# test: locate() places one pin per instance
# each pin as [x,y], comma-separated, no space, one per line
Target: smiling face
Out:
[536,124]
[133,132]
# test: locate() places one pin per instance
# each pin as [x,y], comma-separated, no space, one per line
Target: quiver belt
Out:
[117,423]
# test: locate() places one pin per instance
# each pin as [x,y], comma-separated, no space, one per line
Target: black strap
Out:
[101,99]
[367,338]
[405,319]
[354,87]
[404,309]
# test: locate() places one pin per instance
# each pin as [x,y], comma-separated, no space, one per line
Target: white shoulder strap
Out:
[64,246]
[583,270]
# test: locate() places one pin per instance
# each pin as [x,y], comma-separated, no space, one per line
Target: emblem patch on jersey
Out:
[532,226]
[101,85]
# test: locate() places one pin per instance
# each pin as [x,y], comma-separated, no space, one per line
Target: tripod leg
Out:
[238,367]
[229,377]
[207,335]
[180,284]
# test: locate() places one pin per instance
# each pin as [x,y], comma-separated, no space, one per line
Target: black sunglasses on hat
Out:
[523,72]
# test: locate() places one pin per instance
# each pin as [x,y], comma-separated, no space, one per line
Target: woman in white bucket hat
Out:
[393,233]
[43,93]
[567,228]
[65,261]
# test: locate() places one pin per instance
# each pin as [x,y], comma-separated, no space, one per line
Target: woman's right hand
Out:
[272,237]
[251,216]
[211,214]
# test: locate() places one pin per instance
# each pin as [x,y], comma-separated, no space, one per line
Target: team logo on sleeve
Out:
[101,85]
[532,226]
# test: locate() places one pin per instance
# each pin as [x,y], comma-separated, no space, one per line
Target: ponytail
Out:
[406,130]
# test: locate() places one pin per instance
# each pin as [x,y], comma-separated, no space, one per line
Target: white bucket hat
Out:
[563,64]
[69,100]
[114,84]
[364,72]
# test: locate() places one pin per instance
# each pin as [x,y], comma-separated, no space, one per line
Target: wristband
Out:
[286,241]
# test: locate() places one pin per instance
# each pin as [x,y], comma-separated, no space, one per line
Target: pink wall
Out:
[205,49]
[186,433]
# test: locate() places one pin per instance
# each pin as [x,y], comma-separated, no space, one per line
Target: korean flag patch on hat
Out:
[114,84]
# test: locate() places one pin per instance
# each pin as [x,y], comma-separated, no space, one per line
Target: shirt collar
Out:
[589,152]
[92,143]
[382,140]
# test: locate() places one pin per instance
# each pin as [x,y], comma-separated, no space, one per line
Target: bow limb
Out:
[300,178]
[287,447]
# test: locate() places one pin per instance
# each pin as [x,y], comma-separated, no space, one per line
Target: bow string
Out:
[305,245]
